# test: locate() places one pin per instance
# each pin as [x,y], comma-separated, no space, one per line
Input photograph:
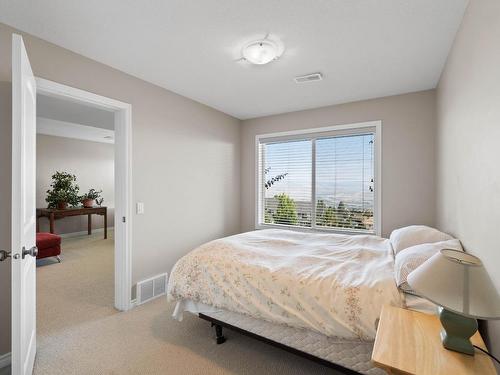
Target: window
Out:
[323,179]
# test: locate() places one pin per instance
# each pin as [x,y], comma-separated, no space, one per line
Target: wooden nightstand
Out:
[408,342]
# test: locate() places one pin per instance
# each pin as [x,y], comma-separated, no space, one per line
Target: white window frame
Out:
[344,130]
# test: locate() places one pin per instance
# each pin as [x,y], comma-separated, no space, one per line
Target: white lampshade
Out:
[459,282]
[261,52]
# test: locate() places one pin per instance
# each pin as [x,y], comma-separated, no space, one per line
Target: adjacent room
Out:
[75,213]
[265,187]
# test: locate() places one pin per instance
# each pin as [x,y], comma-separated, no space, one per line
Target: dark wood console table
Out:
[53,214]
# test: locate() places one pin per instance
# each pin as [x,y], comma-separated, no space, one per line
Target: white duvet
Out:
[333,284]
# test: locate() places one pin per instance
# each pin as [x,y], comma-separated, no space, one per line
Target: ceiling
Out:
[67,111]
[64,129]
[68,119]
[363,48]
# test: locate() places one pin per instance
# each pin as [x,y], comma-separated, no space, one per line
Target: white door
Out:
[23,211]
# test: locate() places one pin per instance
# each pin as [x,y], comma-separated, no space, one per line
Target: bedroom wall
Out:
[5,202]
[468,151]
[93,165]
[185,157]
[408,156]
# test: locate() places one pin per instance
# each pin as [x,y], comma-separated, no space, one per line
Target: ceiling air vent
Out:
[309,78]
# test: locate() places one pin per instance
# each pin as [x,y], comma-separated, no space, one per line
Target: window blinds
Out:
[324,182]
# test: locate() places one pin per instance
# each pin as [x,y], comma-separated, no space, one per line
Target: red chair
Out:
[49,245]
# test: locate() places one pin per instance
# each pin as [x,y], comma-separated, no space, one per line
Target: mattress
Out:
[350,353]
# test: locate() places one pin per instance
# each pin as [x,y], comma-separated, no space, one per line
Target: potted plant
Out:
[63,192]
[88,199]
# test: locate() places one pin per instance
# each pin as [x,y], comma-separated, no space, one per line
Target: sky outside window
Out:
[344,179]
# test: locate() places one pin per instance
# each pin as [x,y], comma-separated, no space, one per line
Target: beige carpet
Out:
[79,332]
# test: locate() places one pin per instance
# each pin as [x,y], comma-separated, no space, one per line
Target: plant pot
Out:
[88,203]
[62,205]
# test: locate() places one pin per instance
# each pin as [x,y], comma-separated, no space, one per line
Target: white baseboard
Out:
[84,232]
[4,360]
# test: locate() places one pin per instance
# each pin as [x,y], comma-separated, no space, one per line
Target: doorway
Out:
[75,216]
[122,179]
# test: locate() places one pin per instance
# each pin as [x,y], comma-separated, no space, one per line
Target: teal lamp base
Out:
[457,331]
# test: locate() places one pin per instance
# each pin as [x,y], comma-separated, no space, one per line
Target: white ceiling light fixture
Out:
[261,52]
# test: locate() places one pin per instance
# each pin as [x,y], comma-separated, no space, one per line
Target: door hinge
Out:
[123,219]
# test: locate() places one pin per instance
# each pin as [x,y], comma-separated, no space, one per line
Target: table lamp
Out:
[459,284]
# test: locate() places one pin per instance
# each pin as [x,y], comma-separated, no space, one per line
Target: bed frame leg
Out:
[219,337]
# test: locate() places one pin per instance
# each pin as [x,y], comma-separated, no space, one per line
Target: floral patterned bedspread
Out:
[334,284]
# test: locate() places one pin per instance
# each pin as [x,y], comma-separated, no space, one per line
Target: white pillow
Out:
[412,257]
[415,235]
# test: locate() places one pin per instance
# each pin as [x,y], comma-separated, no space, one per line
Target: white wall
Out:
[93,165]
[408,157]
[468,143]
[185,157]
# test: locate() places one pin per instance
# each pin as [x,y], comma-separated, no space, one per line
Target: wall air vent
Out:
[151,288]
[309,78]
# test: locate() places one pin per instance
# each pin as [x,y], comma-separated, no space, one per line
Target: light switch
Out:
[140,208]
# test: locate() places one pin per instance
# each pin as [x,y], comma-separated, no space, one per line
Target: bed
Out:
[318,295]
